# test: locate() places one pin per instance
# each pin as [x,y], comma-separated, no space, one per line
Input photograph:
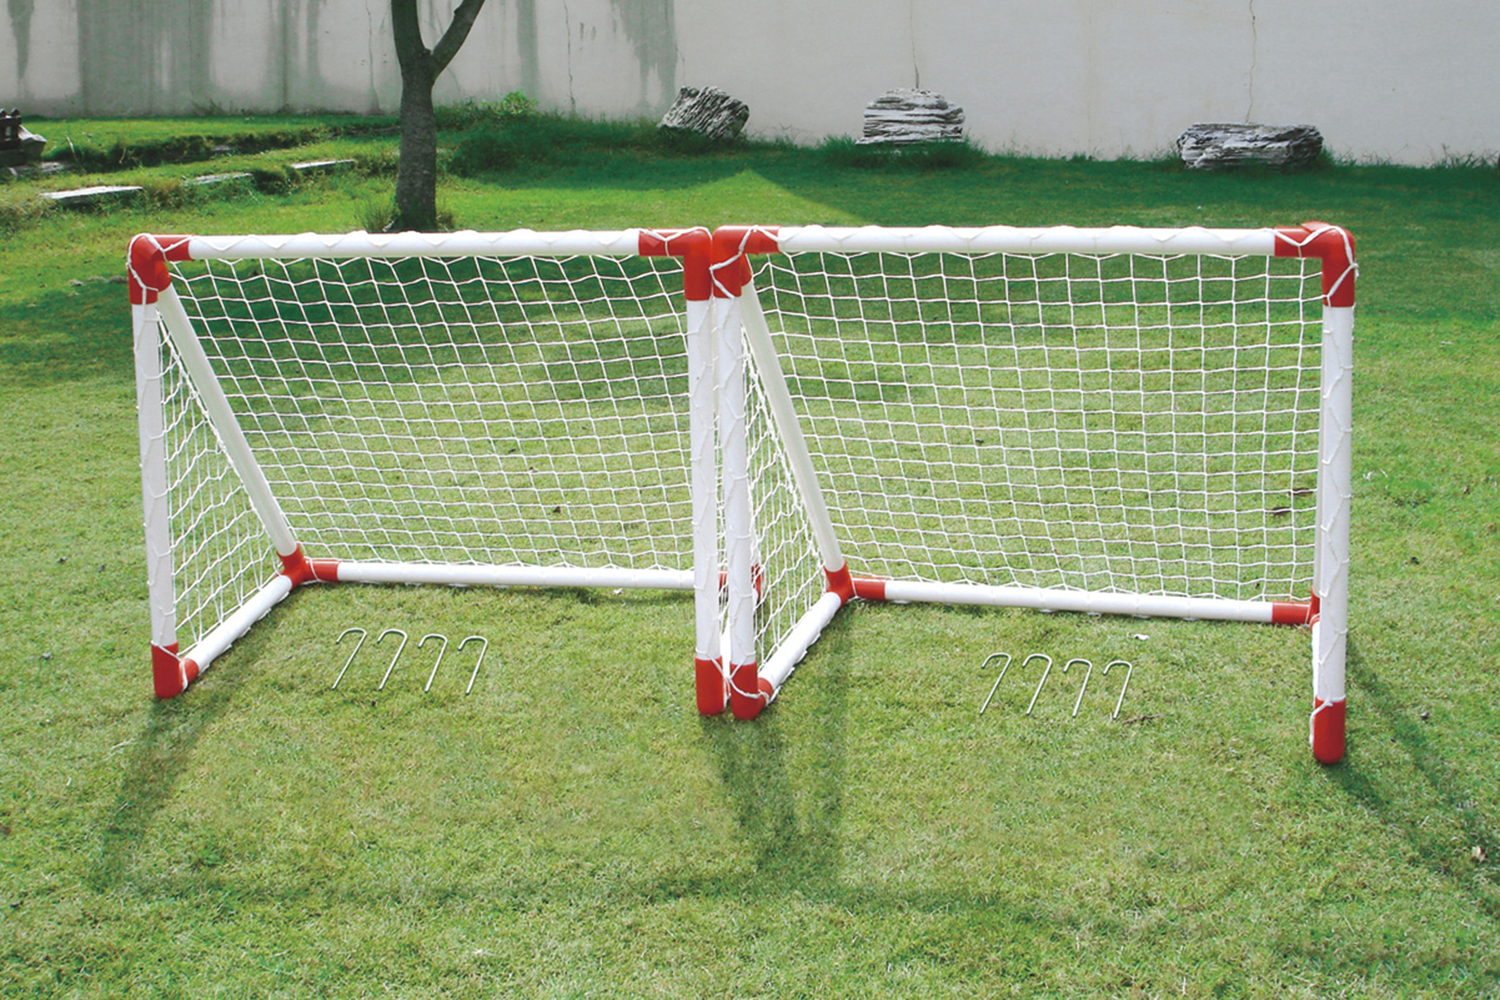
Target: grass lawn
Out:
[572,827]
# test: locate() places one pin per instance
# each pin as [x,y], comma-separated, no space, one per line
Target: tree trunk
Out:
[416,171]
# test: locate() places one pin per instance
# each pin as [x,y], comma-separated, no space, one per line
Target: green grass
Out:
[573,828]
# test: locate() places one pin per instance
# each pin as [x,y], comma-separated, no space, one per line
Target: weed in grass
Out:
[473,113]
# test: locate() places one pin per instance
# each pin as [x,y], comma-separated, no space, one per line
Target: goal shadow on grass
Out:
[1463,806]
[161,755]
[795,839]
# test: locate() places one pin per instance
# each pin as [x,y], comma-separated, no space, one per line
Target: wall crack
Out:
[1254,52]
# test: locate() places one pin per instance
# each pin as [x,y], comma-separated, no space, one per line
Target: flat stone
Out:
[44,169]
[214,180]
[80,197]
[322,166]
[1217,146]
[706,111]
[903,116]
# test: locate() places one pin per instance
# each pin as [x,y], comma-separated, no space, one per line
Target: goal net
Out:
[778,420]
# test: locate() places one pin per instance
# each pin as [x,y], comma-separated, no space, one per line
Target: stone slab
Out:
[80,197]
[322,166]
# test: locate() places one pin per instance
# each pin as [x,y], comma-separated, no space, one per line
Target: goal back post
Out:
[1111,421]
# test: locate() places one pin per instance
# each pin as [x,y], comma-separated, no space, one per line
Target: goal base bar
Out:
[340,571]
[778,668]
[1086,602]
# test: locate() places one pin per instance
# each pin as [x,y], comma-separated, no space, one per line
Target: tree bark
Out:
[416,171]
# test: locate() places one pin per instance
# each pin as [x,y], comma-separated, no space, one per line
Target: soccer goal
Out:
[470,409]
[1113,421]
[781,420]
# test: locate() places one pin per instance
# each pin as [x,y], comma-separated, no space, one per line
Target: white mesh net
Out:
[526,411]
[1115,423]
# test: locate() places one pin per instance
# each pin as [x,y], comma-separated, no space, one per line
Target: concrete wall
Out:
[1391,79]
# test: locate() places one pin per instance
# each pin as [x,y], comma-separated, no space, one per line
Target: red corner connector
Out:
[732,246]
[146,265]
[1291,613]
[1335,246]
[170,673]
[300,569]
[694,246]
[840,583]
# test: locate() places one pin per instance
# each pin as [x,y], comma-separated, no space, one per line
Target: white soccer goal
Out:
[1110,421]
[469,409]
[1116,421]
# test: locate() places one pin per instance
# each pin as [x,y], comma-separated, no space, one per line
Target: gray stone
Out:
[902,117]
[80,197]
[706,111]
[25,149]
[1213,146]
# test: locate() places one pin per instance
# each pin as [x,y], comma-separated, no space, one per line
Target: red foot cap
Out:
[166,671]
[713,689]
[1328,731]
[746,679]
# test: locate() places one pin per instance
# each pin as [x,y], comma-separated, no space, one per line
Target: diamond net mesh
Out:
[1116,423]
[526,411]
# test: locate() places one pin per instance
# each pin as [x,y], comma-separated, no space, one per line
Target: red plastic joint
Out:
[170,673]
[841,583]
[742,703]
[300,569]
[732,246]
[869,589]
[694,246]
[1291,613]
[146,265]
[1328,731]
[1336,248]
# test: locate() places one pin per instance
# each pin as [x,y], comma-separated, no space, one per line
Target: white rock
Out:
[706,111]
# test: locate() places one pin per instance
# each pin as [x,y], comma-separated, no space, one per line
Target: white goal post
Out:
[1122,421]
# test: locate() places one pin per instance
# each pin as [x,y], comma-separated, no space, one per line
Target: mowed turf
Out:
[572,827]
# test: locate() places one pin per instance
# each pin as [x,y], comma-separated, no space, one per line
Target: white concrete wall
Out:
[1393,79]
